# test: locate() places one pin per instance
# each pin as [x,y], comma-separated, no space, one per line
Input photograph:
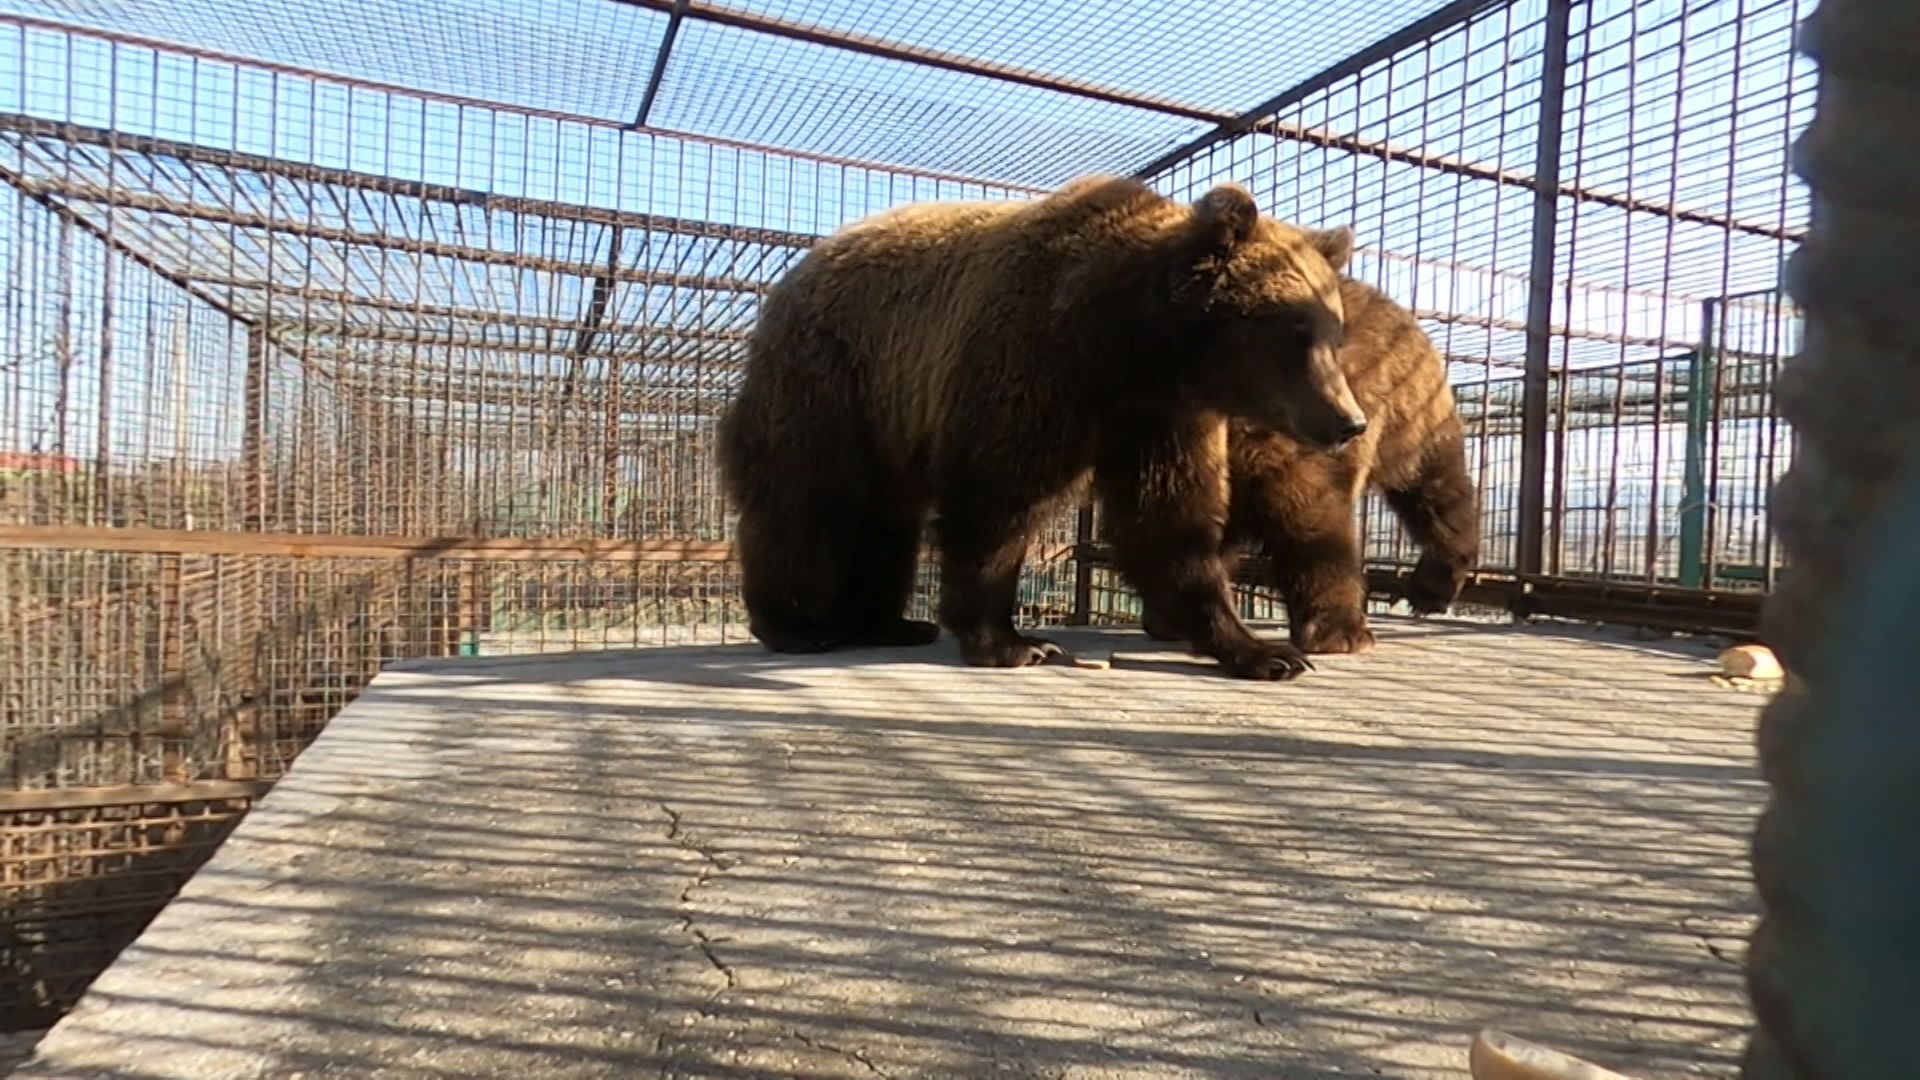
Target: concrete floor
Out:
[709,861]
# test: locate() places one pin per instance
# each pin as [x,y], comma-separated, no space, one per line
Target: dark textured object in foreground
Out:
[1835,964]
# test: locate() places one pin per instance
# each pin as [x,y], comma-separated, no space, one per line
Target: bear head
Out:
[1258,303]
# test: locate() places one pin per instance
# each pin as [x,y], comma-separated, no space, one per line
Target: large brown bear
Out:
[982,359]
[1295,502]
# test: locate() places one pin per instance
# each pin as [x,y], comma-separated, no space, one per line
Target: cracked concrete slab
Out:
[710,861]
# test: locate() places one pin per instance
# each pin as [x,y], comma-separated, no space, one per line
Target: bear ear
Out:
[1226,217]
[1334,245]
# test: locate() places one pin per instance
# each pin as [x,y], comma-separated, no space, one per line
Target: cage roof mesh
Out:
[1200,62]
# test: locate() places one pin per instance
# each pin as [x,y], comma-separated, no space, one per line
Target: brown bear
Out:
[982,360]
[1296,503]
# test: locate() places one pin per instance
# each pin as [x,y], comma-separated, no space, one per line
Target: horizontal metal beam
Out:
[116,243]
[73,191]
[347,546]
[88,798]
[416,93]
[336,307]
[1617,603]
[1452,166]
[647,379]
[123,142]
[865,45]
[301,338]
[208,542]
[1735,614]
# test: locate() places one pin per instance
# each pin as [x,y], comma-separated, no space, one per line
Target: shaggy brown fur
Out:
[1296,503]
[981,359]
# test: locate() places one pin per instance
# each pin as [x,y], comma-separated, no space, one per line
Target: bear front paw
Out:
[1328,632]
[1152,625]
[1007,651]
[1270,662]
[1433,585]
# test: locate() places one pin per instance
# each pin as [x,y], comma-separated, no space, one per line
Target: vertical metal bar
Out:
[172,677]
[1693,494]
[1769,551]
[1546,210]
[253,511]
[1083,567]
[1715,417]
[103,483]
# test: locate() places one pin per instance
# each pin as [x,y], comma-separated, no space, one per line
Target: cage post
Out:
[467,629]
[173,673]
[253,512]
[1536,382]
[1082,567]
[1693,493]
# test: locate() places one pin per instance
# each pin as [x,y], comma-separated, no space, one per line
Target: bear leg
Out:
[794,534]
[1440,510]
[1303,516]
[984,530]
[1155,625]
[1164,490]
[881,573]
[789,574]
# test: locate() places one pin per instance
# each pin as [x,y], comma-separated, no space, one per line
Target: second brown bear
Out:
[1296,504]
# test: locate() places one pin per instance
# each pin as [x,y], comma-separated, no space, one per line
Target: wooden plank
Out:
[342,546]
[13,802]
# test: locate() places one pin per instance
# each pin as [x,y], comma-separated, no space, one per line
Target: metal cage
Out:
[337,339]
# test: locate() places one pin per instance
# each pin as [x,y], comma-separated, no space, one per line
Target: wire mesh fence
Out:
[304,373]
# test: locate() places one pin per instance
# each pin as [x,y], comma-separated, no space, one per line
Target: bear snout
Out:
[1334,433]
[1350,429]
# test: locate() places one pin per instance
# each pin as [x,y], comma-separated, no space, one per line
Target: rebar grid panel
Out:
[1667,251]
[81,881]
[1693,104]
[1000,90]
